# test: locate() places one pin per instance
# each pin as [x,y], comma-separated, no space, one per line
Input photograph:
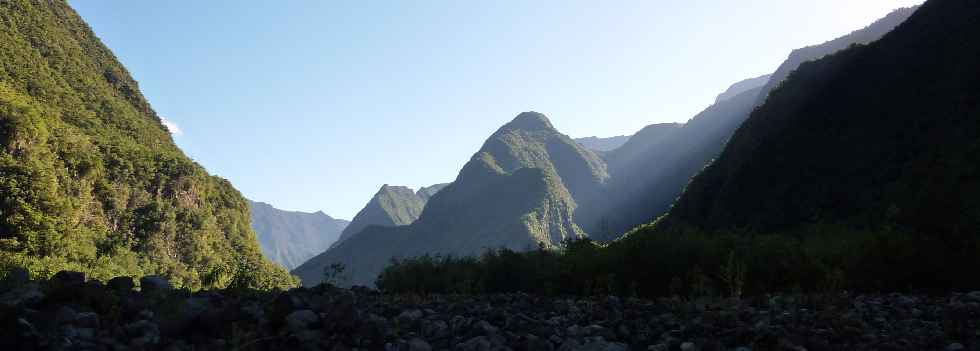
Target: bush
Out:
[651,263]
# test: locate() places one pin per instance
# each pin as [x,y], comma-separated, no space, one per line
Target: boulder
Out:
[153,284]
[121,284]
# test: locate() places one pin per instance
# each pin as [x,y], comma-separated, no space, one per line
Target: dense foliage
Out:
[91,181]
[692,263]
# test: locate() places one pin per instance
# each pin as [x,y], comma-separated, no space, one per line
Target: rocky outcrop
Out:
[68,313]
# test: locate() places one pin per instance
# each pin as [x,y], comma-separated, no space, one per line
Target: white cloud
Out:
[172,127]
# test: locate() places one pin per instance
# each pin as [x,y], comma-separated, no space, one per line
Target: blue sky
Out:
[313,105]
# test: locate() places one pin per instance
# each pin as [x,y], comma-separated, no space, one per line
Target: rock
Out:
[65,315]
[570,345]
[143,332]
[87,320]
[417,344]
[17,276]
[121,284]
[600,344]
[535,343]
[79,333]
[410,316]
[688,346]
[955,347]
[658,347]
[26,294]
[973,296]
[485,328]
[64,284]
[477,343]
[435,330]
[25,329]
[301,320]
[153,284]
[308,336]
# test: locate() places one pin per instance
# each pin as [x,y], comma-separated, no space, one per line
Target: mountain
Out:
[742,87]
[631,152]
[651,170]
[868,34]
[597,144]
[520,190]
[876,134]
[90,179]
[427,192]
[290,238]
[391,206]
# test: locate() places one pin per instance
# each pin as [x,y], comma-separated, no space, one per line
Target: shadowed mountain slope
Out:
[883,133]
[290,238]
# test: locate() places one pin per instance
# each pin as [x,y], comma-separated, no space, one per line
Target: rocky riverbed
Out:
[69,312]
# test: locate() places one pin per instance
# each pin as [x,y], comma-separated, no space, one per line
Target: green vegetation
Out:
[91,181]
[520,189]
[391,206]
[819,258]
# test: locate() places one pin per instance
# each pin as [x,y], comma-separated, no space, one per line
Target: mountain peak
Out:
[531,121]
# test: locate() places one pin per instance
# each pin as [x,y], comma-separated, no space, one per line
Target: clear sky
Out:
[313,105]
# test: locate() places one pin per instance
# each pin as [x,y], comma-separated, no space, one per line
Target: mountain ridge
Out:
[289,238]
[510,194]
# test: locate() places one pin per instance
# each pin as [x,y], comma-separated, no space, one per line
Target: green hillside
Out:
[90,179]
[391,206]
[520,190]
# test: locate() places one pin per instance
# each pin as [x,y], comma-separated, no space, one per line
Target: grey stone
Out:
[154,284]
[301,320]
[417,344]
[24,294]
[17,276]
[65,315]
[87,320]
[477,343]
[600,344]
[121,284]
[436,329]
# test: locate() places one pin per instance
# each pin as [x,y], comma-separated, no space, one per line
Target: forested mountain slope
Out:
[391,206]
[864,35]
[520,190]
[651,170]
[648,173]
[90,180]
[886,132]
